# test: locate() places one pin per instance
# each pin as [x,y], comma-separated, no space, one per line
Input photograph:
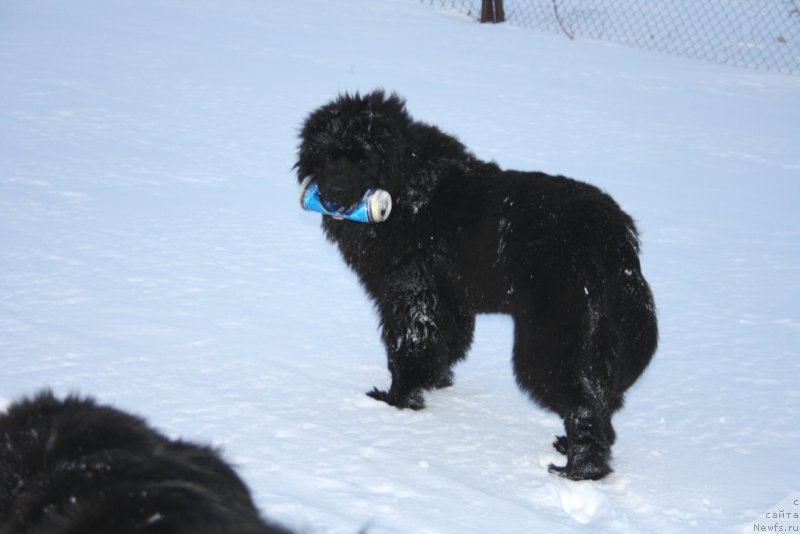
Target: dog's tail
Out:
[630,307]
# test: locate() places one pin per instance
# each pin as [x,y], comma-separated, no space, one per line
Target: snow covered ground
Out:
[153,254]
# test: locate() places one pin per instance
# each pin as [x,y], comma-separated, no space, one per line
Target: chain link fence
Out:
[763,34]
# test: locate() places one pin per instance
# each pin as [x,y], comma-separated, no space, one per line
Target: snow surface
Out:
[153,254]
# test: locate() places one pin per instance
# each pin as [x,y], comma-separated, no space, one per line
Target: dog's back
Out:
[73,466]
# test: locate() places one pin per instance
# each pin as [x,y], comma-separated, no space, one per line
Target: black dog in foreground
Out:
[76,467]
[465,237]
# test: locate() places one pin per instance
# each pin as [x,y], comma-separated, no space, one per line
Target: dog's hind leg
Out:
[561,360]
[616,350]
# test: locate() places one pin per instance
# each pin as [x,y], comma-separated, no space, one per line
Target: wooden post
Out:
[499,11]
[492,11]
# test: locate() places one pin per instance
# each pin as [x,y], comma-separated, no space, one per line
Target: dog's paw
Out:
[443,381]
[377,394]
[586,471]
[413,400]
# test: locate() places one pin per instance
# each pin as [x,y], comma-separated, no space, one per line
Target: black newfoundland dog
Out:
[465,237]
[75,467]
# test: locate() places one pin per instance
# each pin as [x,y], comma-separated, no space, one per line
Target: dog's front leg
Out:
[413,323]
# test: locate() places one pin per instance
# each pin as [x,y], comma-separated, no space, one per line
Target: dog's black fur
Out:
[465,237]
[73,466]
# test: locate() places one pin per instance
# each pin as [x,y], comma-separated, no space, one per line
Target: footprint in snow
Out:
[583,501]
[586,500]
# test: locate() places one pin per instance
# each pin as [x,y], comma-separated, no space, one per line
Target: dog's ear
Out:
[422,163]
[434,155]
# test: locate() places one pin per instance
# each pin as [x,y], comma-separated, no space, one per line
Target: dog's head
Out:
[353,143]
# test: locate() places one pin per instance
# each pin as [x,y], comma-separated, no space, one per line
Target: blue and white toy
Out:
[374,207]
